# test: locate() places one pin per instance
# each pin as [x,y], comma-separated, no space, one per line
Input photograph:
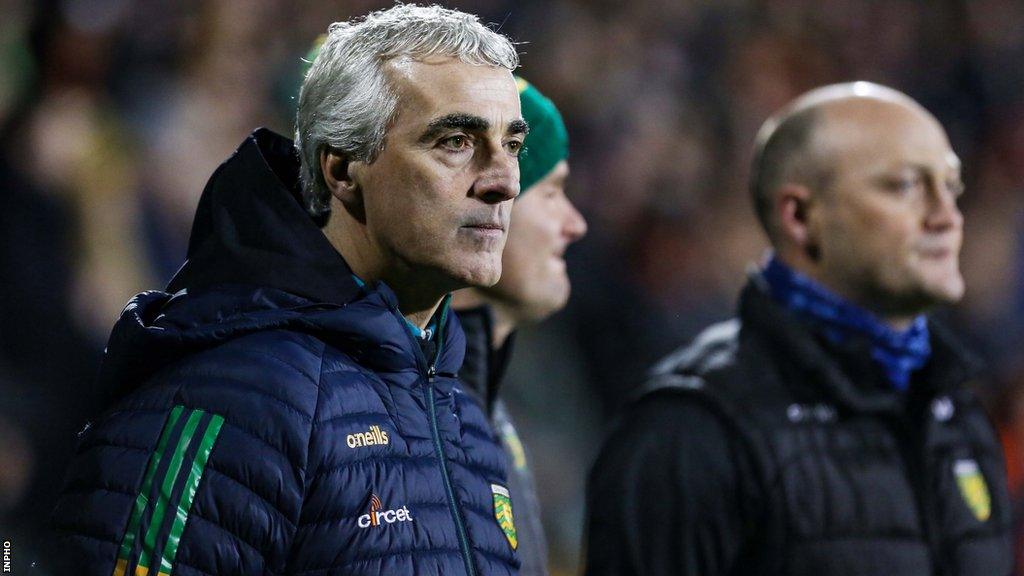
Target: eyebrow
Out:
[469,123]
[518,127]
[926,168]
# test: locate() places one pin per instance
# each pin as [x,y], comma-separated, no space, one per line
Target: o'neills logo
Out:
[375,516]
[372,437]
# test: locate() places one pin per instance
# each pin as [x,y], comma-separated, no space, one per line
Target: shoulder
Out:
[274,353]
[271,374]
[695,408]
[667,424]
[671,438]
[265,386]
[716,365]
[726,370]
[715,346]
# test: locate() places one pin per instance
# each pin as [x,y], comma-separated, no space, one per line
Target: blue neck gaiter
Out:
[899,353]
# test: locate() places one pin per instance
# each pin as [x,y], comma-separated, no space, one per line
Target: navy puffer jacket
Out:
[276,418]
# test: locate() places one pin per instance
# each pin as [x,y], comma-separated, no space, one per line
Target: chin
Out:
[924,295]
[548,302]
[944,286]
[538,311]
[949,292]
[562,297]
[483,273]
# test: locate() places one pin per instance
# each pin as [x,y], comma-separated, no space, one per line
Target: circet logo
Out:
[374,517]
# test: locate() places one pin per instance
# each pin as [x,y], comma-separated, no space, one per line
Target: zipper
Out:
[431,373]
[439,448]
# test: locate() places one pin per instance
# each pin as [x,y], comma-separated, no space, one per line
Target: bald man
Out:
[828,429]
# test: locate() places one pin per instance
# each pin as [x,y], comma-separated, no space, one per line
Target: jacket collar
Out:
[845,372]
[484,367]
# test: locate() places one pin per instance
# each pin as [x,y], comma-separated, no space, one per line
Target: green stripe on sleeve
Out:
[160,508]
[189,494]
[143,498]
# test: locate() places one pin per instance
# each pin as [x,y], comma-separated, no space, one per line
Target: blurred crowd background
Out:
[113,113]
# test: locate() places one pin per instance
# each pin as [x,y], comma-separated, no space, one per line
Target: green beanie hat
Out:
[314,51]
[547,144]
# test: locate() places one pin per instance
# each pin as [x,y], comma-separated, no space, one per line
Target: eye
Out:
[456,143]
[906,185]
[515,147]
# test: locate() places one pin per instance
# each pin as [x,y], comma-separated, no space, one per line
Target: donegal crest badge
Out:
[973,488]
[503,513]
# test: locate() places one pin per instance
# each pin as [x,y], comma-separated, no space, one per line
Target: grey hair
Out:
[346,101]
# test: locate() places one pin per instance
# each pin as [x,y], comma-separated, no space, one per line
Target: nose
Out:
[575,225]
[943,212]
[499,178]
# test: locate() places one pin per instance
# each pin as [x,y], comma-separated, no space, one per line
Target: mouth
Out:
[486,226]
[936,253]
[485,229]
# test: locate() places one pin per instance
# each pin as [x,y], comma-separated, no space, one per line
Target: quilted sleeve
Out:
[201,471]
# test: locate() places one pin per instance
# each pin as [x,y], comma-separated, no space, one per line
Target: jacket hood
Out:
[250,228]
[258,262]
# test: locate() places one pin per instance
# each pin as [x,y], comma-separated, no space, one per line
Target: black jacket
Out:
[760,449]
[482,372]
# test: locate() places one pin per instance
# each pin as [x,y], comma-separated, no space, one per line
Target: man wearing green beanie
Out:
[533,286]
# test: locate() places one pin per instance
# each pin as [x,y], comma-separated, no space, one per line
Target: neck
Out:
[420,313]
[504,321]
[418,295]
[504,324]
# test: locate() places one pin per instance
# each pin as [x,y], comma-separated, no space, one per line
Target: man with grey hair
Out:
[828,430]
[290,403]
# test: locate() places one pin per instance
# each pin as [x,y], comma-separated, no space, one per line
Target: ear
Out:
[793,204]
[341,180]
